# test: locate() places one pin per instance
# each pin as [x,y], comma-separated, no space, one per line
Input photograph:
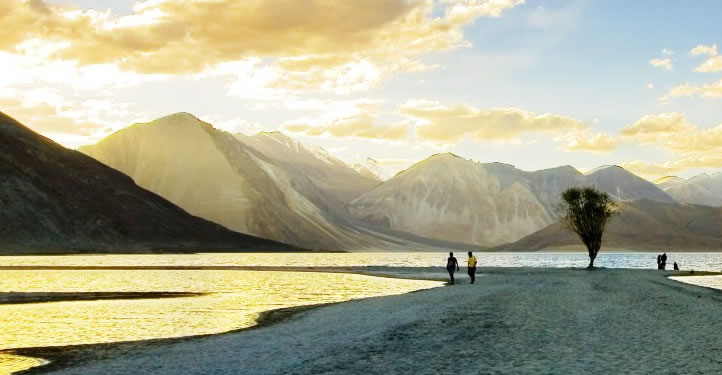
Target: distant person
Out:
[452,266]
[676,266]
[664,261]
[471,267]
[659,261]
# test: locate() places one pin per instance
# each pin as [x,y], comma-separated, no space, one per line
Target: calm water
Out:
[234,298]
[688,261]
[234,301]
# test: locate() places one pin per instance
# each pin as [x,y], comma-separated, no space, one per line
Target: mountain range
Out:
[58,200]
[271,186]
[704,189]
[266,185]
[451,198]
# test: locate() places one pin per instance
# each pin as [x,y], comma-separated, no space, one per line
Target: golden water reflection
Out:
[10,363]
[234,300]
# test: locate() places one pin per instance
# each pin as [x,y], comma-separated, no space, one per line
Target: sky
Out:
[536,84]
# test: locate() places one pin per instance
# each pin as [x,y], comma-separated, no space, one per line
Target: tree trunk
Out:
[592,256]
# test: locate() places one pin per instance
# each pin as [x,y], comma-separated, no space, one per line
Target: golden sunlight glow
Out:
[234,300]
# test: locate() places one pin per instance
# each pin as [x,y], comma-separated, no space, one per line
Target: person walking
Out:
[471,267]
[452,266]
[664,261]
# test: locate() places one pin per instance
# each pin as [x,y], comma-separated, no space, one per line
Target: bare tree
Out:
[586,211]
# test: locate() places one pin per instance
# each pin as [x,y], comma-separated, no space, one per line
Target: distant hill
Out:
[55,200]
[704,189]
[641,225]
[450,198]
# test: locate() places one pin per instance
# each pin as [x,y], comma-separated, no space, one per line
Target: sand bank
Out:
[25,297]
[513,321]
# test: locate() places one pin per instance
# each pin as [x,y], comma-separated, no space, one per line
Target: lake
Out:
[231,299]
[687,261]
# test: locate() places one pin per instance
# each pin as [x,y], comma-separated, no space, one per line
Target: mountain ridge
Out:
[430,195]
[267,185]
[59,200]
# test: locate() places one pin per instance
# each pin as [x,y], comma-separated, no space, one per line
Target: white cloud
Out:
[704,50]
[713,64]
[707,90]
[665,63]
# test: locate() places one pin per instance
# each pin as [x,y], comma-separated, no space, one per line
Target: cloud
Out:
[649,170]
[704,50]
[674,133]
[589,142]
[665,63]
[693,146]
[667,51]
[302,42]
[707,90]
[451,124]
[653,128]
[348,119]
[71,123]
[713,64]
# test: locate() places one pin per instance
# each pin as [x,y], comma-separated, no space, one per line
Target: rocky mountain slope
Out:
[704,189]
[330,174]
[57,200]
[450,198]
[372,169]
[640,225]
[272,186]
[267,185]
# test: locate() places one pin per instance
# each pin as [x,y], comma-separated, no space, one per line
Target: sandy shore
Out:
[513,321]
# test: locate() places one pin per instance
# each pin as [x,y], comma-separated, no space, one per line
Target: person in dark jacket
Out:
[452,266]
[664,261]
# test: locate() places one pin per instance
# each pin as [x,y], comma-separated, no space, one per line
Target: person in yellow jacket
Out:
[471,267]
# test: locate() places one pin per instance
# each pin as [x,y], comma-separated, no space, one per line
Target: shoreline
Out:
[65,357]
[61,357]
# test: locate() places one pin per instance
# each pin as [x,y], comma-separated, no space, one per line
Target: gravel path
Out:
[513,321]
